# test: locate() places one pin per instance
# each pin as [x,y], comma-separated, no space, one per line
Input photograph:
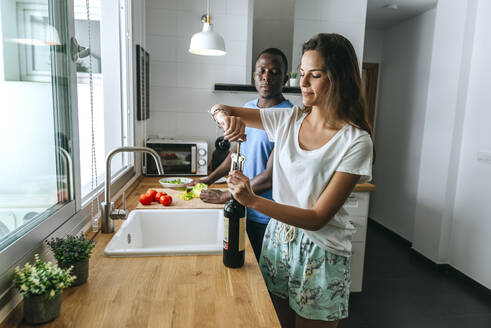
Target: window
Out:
[109,94]
[90,97]
[45,124]
[35,170]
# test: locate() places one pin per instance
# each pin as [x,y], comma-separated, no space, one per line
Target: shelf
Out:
[248,88]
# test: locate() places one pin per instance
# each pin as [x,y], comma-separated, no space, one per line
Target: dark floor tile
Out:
[404,290]
[463,304]
[355,320]
[471,321]
[434,322]
[474,321]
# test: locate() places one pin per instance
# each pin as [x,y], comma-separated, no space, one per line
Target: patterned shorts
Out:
[315,281]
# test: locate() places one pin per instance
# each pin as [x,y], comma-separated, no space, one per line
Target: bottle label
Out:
[242,231]
[225,233]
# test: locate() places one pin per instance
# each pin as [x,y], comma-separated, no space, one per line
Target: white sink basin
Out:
[152,232]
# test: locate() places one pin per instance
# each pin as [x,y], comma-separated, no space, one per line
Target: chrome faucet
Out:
[108,212]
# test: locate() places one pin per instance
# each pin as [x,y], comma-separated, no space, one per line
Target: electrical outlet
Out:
[484,156]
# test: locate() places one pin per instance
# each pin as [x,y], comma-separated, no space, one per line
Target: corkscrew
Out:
[238,159]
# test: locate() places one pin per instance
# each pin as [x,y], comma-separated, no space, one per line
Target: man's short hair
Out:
[275,52]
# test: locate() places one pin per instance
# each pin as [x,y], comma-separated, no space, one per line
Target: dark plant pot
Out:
[40,309]
[81,270]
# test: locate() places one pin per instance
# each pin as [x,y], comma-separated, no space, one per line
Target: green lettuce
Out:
[193,193]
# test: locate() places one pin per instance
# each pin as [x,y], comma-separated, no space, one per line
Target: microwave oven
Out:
[179,157]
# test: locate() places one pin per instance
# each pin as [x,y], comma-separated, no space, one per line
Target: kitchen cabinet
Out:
[357,207]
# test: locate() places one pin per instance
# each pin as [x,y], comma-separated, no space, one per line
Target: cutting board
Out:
[178,202]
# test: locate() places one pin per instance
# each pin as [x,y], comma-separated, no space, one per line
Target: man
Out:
[270,75]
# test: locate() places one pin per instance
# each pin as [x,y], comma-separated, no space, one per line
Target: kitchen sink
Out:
[160,232]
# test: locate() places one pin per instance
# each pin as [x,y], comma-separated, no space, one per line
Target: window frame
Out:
[17,252]
[73,216]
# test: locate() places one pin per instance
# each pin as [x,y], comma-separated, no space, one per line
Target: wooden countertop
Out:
[359,187]
[166,291]
[365,187]
[154,181]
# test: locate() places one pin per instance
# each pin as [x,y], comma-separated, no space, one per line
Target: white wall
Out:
[372,53]
[177,110]
[432,188]
[273,27]
[373,46]
[405,71]
[181,84]
[446,88]
[329,16]
[470,243]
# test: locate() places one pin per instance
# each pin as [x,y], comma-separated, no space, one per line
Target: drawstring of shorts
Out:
[290,233]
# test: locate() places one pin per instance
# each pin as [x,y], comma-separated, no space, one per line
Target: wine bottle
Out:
[234,221]
[234,234]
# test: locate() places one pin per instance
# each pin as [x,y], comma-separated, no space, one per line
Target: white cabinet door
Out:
[356,266]
[357,207]
[360,224]
[357,203]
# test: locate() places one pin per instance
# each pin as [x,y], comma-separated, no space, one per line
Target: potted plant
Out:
[75,251]
[293,79]
[41,285]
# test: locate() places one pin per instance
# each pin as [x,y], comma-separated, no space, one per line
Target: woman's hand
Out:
[234,127]
[240,188]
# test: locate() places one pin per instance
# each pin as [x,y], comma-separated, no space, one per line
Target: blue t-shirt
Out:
[256,151]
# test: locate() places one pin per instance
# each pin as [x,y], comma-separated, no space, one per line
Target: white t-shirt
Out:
[300,176]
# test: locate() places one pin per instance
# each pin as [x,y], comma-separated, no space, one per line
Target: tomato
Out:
[152,193]
[166,200]
[148,199]
[157,196]
[145,199]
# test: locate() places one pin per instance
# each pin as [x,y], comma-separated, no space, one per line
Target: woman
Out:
[322,152]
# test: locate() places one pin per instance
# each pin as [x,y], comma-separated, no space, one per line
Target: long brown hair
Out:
[346,96]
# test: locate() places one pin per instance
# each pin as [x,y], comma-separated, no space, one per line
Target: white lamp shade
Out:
[207,42]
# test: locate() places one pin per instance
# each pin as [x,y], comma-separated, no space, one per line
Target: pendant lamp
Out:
[207,42]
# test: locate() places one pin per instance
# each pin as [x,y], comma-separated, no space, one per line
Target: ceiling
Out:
[380,17]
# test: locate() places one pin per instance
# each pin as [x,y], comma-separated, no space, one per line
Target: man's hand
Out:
[214,196]
[194,182]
